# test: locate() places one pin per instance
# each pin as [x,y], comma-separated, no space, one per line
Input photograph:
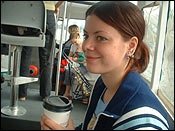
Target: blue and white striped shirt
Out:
[133,107]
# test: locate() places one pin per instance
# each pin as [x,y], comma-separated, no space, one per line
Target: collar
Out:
[124,94]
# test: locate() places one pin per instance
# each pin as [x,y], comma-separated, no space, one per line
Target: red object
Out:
[76,55]
[70,98]
[64,62]
[33,70]
[61,70]
[62,82]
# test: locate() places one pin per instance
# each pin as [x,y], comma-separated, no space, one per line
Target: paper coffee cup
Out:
[58,108]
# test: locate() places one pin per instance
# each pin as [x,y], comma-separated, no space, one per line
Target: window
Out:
[166,88]
[80,23]
[166,83]
[151,15]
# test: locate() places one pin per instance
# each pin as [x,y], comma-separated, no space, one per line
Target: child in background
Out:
[76,55]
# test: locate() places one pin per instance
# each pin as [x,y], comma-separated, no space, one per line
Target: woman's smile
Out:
[91,58]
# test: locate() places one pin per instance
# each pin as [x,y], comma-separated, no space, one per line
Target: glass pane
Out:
[151,15]
[167,74]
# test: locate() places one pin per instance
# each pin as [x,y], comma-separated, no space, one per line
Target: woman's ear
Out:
[133,43]
[132,46]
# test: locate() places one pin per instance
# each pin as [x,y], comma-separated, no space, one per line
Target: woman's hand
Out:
[79,41]
[74,59]
[71,58]
[48,124]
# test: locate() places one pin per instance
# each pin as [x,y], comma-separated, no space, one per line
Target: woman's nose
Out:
[88,45]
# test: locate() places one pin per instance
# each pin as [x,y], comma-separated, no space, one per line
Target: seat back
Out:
[30,15]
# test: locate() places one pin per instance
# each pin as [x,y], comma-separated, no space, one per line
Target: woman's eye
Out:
[101,38]
[85,36]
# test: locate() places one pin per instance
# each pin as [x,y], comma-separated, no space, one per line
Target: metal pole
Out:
[60,50]
[13,109]
[16,71]
[9,60]
[68,21]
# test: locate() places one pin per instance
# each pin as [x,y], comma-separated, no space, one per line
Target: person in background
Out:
[46,53]
[68,46]
[26,59]
[121,99]
[77,56]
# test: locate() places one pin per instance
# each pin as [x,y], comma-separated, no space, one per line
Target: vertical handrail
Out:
[16,72]
[68,18]
[60,50]
[9,60]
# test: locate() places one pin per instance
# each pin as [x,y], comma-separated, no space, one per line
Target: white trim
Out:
[139,111]
[146,128]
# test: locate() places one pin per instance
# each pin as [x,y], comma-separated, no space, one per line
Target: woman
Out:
[114,47]
[76,55]
[70,47]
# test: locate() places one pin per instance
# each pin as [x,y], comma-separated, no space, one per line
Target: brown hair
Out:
[126,18]
[74,31]
[74,35]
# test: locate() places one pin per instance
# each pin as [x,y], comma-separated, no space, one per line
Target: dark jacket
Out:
[133,106]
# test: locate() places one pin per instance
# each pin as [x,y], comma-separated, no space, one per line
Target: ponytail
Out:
[141,58]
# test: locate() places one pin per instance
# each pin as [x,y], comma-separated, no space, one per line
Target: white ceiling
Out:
[76,9]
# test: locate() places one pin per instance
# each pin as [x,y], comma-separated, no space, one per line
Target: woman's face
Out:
[74,40]
[104,47]
[77,41]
